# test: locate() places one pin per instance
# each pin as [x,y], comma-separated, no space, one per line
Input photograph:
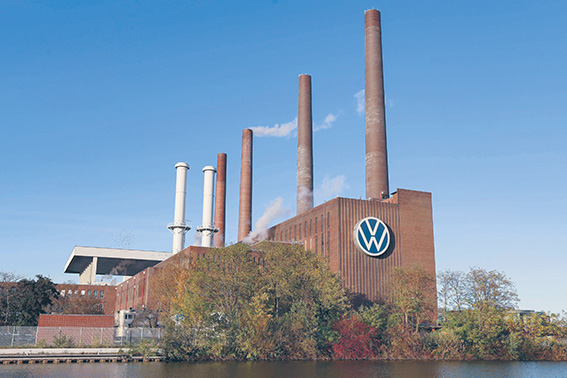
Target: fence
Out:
[14,336]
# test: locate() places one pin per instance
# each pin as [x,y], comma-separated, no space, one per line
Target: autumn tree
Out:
[412,293]
[451,290]
[478,301]
[270,301]
[488,290]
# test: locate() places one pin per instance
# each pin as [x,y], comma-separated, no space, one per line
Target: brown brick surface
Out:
[73,320]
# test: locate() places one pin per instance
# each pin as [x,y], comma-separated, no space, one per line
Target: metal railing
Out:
[15,336]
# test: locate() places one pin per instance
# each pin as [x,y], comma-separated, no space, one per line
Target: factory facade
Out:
[329,230]
[361,239]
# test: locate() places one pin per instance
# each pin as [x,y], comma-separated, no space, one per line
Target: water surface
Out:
[334,369]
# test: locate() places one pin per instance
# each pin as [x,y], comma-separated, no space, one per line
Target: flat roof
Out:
[113,261]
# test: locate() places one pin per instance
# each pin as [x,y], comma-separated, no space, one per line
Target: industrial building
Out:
[362,239]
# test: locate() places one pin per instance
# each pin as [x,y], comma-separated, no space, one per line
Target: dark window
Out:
[102,294]
[95,293]
[299,231]
[310,227]
[316,243]
[315,225]
[328,221]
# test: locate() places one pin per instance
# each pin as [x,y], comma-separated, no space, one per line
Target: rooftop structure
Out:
[90,261]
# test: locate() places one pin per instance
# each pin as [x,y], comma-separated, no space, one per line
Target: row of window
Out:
[298,232]
[82,293]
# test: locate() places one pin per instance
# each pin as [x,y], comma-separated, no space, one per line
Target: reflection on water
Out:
[335,369]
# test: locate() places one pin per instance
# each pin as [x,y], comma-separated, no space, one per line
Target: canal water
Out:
[334,369]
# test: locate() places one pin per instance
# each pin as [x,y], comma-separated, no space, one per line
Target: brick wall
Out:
[72,320]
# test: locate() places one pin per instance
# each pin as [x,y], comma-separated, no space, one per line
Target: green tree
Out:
[32,297]
[8,297]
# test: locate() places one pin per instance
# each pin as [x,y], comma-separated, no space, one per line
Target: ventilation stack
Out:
[377,186]
[304,146]
[220,202]
[207,230]
[245,207]
[178,227]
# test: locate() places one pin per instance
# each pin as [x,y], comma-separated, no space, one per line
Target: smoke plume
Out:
[330,188]
[279,131]
[360,102]
[274,211]
[327,123]
[198,237]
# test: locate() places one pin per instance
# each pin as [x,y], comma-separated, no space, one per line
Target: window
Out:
[315,225]
[95,293]
[328,244]
[76,294]
[310,227]
[295,232]
[69,293]
[328,221]
[88,293]
[316,243]
[62,293]
[299,231]
[101,294]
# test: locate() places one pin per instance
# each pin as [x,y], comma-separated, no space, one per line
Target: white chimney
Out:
[178,227]
[207,228]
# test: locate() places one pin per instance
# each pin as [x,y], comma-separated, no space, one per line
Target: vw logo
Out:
[371,236]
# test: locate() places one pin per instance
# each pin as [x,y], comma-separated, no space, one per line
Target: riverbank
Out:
[71,355]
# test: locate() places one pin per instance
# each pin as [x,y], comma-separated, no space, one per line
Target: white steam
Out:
[278,131]
[360,102]
[327,123]
[330,188]
[198,237]
[274,211]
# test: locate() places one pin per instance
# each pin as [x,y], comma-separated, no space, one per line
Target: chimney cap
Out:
[209,168]
[181,164]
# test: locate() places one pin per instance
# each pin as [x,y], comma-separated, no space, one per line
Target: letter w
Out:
[368,242]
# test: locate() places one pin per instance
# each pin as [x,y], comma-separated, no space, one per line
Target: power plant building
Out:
[361,239]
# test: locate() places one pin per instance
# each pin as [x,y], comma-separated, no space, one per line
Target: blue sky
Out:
[100,99]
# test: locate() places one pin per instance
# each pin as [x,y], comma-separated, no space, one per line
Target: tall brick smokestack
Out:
[376,152]
[245,208]
[304,146]
[220,202]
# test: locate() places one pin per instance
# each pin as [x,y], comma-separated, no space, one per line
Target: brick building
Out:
[328,230]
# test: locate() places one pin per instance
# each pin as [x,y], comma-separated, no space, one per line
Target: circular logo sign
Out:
[371,236]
